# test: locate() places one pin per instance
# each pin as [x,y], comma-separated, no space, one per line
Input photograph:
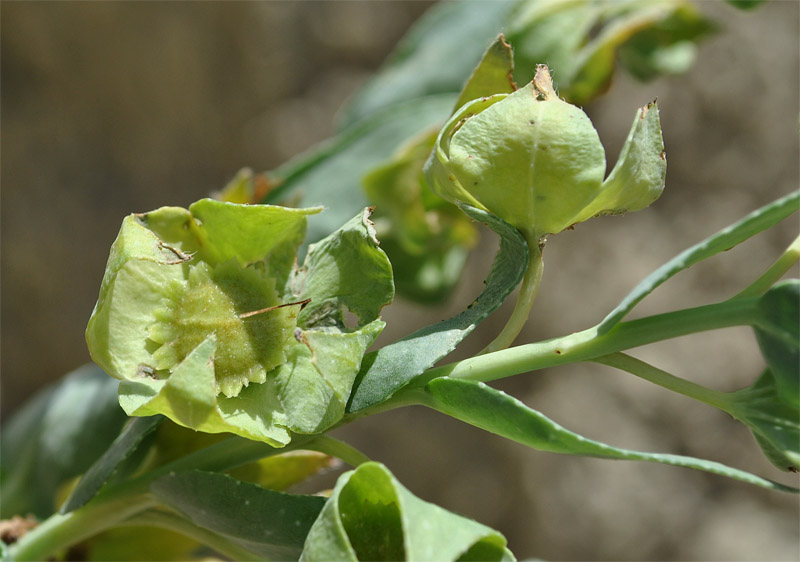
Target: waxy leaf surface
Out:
[264,522]
[492,410]
[371,516]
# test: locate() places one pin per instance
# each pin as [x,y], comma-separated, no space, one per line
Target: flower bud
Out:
[536,161]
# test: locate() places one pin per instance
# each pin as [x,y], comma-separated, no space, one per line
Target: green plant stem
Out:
[525,298]
[666,380]
[338,449]
[117,503]
[62,530]
[587,345]
[165,520]
[777,270]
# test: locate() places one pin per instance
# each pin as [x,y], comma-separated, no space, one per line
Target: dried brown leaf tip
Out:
[543,83]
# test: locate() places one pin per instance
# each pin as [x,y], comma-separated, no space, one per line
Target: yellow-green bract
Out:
[537,162]
[207,318]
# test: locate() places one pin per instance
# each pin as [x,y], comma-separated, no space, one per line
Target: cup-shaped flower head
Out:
[537,162]
[206,317]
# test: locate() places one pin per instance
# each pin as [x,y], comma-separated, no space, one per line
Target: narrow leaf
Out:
[390,368]
[123,446]
[725,239]
[331,174]
[482,406]
[266,523]
[437,55]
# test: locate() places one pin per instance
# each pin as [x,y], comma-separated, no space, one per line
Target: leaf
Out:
[493,75]
[778,335]
[436,56]
[331,173]
[638,176]
[55,437]
[482,406]
[725,239]
[385,371]
[267,523]
[774,421]
[99,473]
[371,516]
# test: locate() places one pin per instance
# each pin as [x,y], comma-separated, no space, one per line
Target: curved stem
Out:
[62,530]
[525,298]
[666,380]
[338,449]
[771,276]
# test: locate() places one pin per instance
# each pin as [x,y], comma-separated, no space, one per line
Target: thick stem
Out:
[117,503]
[525,298]
[62,530]
[587,345]
[666,380]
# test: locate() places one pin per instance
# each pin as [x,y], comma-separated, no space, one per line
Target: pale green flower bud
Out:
[536,161]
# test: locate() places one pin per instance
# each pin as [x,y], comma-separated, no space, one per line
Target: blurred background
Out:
[113,108]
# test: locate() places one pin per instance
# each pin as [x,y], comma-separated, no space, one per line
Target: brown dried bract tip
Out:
[543,83]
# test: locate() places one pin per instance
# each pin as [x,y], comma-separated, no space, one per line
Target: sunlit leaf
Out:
[371,516]
[492,410]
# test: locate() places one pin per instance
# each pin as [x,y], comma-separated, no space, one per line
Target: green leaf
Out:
[493,75]
[638,176]
[725,239]
[331,174]
[436,56]
[371,516]
[778,336]
[482,406]
[99,473]
[267,523]
[55,437]
[385,371]
[774,421]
